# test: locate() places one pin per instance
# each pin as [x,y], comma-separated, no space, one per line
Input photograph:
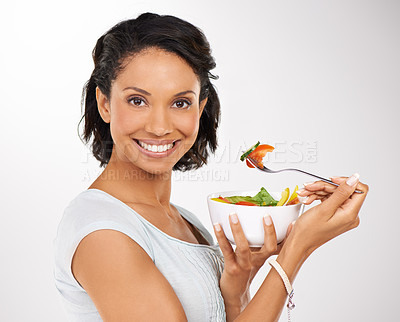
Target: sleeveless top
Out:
[193,270]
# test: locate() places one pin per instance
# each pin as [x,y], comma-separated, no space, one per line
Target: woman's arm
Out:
[242,265]
[123,281]
[337,214]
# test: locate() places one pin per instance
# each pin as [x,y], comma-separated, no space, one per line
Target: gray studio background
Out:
[319,80]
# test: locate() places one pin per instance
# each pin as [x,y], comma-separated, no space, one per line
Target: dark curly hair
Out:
[130,37]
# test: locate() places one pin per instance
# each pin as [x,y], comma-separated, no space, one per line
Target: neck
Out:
[132,184]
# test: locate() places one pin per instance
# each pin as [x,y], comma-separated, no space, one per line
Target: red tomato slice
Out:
[249,164]
[245,203]
[259,153]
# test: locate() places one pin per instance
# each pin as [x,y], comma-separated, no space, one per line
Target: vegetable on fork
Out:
[257,152]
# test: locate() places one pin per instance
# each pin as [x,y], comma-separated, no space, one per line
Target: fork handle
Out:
[320,178]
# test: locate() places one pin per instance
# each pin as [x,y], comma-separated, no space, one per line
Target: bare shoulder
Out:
[122,280]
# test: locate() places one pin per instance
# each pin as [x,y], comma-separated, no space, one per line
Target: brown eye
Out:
[137,101]
[182,104]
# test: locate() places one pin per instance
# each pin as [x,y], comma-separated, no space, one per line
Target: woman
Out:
[123,251]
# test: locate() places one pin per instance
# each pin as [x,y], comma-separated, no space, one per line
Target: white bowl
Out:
[251,217]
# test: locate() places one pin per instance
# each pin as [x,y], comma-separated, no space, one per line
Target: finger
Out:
[353,205]
[360,186]
[308,200]
[321,193]
[314,197]
[319,186]
[289,229]
[224,244]
[324,198]
[270,240]
[242,246]
[341,194]
[305,193]
[338,180]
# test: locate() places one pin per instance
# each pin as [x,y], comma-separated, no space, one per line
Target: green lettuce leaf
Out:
[263,198]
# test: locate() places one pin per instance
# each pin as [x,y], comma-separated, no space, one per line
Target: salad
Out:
[257,152]
[262,199]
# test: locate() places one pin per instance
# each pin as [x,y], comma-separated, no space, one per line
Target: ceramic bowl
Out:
[251,217]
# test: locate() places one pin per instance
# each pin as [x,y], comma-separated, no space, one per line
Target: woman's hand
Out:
[242,264]
[319,190]
[337,213]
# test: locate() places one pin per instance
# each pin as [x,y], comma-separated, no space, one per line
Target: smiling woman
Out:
[153,110]
[124,252]
[162,37]
[150,108]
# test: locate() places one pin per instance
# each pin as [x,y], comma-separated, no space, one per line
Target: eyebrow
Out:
[148,94]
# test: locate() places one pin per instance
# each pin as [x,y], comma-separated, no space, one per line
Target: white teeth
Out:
[155,148]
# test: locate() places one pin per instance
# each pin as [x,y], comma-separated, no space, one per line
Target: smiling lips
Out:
[159,147]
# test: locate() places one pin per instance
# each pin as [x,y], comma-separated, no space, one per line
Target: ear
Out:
[202,105]
[103,105]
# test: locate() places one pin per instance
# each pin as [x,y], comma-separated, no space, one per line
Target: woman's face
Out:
[153,110]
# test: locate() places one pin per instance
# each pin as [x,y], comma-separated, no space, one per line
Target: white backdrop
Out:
[319,80]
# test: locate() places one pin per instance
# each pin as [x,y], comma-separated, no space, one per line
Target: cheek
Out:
[189,125]
[122,122]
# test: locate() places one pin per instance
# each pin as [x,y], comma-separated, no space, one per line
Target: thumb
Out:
[341,194]
[289,229]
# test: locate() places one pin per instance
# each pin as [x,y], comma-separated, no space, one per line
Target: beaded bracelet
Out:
[286,282]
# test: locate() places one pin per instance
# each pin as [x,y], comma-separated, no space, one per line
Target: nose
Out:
[159,121]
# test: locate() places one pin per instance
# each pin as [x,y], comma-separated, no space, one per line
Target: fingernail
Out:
[217,227]
[234,218]
[305,184]
[268,220]
[302,199]
[333,178]
[353,180]
[300,191]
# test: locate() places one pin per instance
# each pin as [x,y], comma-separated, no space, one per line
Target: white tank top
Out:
[193,270]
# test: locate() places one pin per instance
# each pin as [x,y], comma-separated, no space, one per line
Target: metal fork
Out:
[265,169]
